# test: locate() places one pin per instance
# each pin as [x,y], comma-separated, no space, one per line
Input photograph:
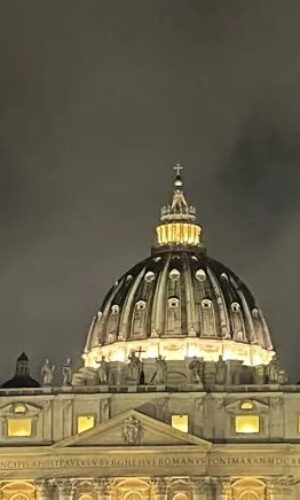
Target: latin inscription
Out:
[101,462]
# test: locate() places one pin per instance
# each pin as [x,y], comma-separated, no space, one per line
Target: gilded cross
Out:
[178,168]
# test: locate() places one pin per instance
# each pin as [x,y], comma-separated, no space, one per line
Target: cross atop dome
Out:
[178,169]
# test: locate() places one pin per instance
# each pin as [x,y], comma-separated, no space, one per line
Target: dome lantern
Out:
[178,228]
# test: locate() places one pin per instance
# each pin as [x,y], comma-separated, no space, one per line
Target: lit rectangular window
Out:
[85,422]
[19,427]
[180,422]
[247,424]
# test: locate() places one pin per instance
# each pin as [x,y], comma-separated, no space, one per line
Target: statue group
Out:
[208,372]
[218,372]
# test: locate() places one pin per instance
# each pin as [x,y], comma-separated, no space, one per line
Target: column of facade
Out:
[44,488]
[159,487]
[65,488]
[223,488]
[102,487]
[199,487]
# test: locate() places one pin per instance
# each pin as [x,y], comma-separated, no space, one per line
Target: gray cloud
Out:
[97,101]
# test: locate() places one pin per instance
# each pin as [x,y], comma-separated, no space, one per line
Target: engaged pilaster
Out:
[44,488]
[199,486]
[223,488]
[159,488]
[102,488]
[281,488]
[65,488]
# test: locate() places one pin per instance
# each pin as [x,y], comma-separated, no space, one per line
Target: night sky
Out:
[98,101]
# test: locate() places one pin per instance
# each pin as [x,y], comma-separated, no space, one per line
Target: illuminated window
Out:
[180,422]
[247,424]
[85,422]
[299,423]
[19,427]
[19,408]
[246,405]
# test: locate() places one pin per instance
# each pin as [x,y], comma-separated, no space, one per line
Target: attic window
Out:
[19,408]
[246,405]
[85,422]
[255,313]
[19,427]
[200,275]
[115,309]
[174,275]
[180,422]
[206,304]
[149,276]
[235,307]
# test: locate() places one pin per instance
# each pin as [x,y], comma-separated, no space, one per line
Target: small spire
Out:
[179,208]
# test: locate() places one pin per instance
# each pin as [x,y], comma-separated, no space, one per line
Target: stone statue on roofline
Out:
[47,373]
[134,368]
[196,371]
[67,372]
[221,371]
[103,371]
[273,370]
[161,370]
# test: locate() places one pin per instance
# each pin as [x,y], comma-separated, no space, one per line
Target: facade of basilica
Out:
[181,395]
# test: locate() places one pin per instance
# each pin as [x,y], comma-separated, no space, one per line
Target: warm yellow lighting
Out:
[246,405]
[19,427]
[247,424]
[19,408]
[299,423]
[85,422]
[180,422]
[178,233]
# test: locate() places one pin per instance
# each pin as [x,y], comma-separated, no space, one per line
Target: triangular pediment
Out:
[132,428]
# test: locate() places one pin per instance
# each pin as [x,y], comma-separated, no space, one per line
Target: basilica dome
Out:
[179,302]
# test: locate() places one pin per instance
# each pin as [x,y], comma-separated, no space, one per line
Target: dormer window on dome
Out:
[178,226]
